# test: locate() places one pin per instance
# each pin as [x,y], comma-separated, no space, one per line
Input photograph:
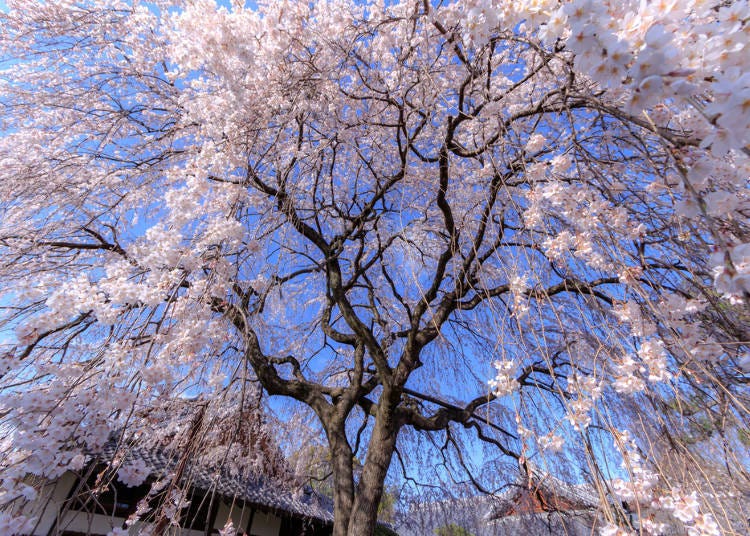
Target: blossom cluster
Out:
[572,174]
[645,488]
[504,382]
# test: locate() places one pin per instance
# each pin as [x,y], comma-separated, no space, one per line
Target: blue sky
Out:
[225,3]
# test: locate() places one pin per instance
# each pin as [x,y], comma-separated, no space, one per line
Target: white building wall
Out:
[89,523]
[239,515]
[98,524]
[265,525]
[48,503]
[52,497]
[137,529]
[262,524]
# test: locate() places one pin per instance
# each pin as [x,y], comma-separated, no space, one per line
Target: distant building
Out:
[540,505]
[87,504]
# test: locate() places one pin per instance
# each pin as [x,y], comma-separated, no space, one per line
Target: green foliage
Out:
[315,463]
[381,530]
[452,530]
[386,507]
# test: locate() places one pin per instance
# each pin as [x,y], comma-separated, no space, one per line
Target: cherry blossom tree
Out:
[517,223]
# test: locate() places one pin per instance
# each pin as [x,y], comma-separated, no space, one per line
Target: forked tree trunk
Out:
[363,516]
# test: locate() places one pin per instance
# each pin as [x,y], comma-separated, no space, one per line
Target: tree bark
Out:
[342,462]
[382,445]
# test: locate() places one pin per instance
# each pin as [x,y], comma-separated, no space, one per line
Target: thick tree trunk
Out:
[364,513]
[342,461]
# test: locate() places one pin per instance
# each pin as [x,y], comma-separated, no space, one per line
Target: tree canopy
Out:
[514,228]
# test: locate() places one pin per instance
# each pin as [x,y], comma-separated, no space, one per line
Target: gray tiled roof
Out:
[257,491]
